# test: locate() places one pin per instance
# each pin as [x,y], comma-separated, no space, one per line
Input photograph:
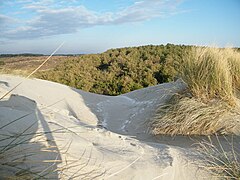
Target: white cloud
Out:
[144,10]
[6,24]
[51,19]
[5,19]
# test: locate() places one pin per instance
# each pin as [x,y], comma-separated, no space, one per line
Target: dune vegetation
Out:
[211,103]
[118,71]
[222,161]
[209,106]
[24,64]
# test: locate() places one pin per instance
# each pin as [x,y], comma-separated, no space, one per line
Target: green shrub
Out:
[118,71]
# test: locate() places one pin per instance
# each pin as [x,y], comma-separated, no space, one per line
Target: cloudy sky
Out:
[90,26]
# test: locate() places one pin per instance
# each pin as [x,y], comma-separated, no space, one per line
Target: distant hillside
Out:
[23,65]
[118,71]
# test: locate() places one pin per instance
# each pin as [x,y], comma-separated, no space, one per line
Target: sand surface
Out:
[64,133]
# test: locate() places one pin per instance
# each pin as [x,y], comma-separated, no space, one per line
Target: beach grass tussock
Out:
[190,116]
[211,73]
[234,61]
[211,104]
[222,161]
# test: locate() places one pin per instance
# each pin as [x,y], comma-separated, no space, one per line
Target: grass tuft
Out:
[211,104]
[221,161]
[190,116]
[234,61]
[211,73]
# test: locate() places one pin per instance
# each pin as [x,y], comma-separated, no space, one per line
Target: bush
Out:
[118,71]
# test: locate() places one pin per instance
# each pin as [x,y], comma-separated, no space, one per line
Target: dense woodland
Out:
[113,72]
[118,71]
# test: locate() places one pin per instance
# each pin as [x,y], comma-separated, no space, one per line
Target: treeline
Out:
[34,55]
[22,55]
[119,71]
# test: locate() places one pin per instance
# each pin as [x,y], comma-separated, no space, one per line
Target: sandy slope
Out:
[92,136]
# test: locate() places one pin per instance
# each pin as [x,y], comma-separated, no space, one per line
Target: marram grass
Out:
[190,116]
[222,162]
[209,73]
[234,62]
[212,102]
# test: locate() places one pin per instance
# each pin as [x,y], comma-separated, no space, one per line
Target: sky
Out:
[93,26]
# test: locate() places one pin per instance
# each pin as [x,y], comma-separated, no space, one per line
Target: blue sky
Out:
[92,26]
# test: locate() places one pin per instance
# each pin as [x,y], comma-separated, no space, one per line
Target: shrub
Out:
[118,71]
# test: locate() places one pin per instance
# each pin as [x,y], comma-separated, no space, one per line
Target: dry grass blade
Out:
[32,72]
[188,116]
[234,62]
[219,161]
[208,74]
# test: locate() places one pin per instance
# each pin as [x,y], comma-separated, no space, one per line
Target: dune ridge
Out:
[75,134]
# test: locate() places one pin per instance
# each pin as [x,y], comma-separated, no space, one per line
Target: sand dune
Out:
[65,133]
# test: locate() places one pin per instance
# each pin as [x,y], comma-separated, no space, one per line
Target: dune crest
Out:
[72,134]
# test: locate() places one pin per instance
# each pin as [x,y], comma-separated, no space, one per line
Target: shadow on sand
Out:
[27,148]
[179,141]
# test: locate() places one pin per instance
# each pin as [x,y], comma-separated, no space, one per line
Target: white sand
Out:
[66,133]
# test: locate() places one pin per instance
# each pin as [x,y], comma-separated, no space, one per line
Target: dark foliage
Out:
[118,71]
